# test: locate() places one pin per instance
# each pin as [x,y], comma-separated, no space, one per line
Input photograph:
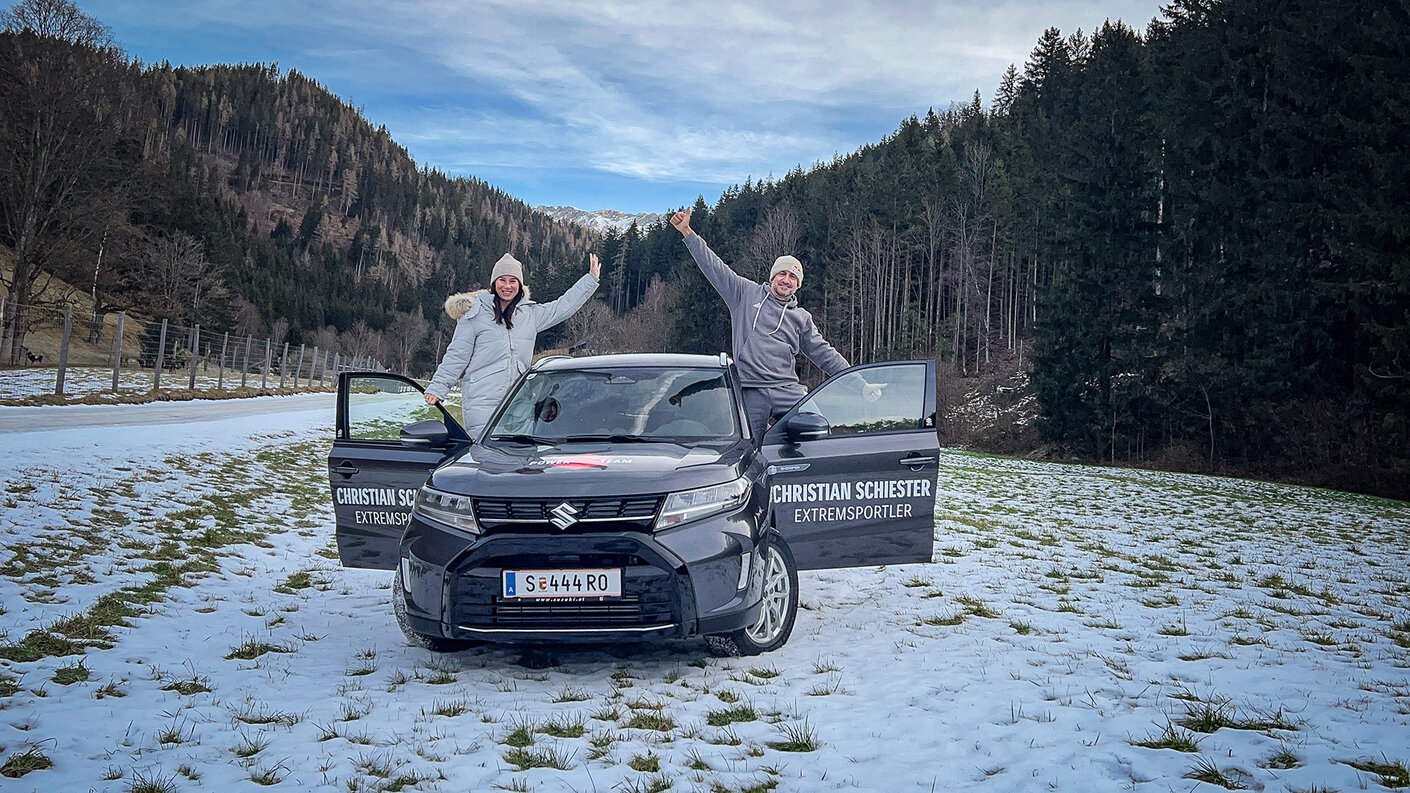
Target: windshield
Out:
[644,404]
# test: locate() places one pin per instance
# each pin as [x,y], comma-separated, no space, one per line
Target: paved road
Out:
[60,417]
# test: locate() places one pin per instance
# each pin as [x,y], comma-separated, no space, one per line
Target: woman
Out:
[494,337]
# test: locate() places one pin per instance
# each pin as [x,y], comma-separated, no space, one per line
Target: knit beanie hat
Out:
[507,265]
[787,264]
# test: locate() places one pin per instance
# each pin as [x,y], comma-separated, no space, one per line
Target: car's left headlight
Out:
[692,504]
[451,509]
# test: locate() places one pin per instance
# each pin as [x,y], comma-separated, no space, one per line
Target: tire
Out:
[436,644]
[780,610]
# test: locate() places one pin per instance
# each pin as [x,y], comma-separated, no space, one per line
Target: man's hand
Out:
[872,391]
[594,266]
[431,399]
[681,220]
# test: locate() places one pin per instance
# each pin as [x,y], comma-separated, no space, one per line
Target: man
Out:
[767,330]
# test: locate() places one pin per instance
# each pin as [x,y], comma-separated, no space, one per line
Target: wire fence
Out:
[113,355]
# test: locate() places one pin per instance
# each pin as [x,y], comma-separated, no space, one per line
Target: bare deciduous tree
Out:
[165,271]
[405,336]
[325,339]
[180,279]
[60,128]
[617,277]
[970,226]
[279,331]
[777,235]
[648,326]
[248,322]
[362,341]
[59,19]
[591,329]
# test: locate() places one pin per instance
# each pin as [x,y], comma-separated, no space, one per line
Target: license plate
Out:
[562,583]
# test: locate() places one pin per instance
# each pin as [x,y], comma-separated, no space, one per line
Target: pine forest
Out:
[1187,246]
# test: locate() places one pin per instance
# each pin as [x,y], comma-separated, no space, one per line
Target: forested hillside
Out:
[237,197]
[1195,238]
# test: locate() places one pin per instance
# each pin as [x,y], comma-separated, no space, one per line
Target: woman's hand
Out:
[432,399]
[594,266]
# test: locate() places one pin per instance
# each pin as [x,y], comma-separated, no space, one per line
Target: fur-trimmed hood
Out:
[462,303]
[485,358]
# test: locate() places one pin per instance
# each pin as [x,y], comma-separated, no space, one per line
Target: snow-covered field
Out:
[1081,629]
[81,381]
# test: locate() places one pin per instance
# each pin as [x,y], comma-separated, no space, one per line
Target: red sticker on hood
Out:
[580,461]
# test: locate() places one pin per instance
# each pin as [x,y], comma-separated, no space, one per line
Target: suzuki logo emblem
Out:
[563,515]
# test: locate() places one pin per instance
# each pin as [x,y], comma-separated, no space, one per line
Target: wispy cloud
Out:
[701,92]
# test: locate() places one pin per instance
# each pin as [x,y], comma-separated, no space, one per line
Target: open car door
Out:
[387,442]
[852,472]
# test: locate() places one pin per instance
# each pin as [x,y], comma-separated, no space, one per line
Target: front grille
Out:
[567,613]
[648,596]
[632,510]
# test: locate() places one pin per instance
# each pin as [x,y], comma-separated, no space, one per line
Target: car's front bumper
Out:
[675,583]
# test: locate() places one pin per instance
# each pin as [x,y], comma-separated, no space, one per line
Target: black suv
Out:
[622,495]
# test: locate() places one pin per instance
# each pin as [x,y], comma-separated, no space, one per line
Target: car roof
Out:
[664,359]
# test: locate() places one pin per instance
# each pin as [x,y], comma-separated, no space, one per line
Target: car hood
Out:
[589,469]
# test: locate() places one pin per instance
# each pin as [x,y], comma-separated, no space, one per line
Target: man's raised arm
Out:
[732,286]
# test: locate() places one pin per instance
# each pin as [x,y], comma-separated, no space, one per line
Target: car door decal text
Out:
[376,496]
[399,499]
[879,499]
[873,490]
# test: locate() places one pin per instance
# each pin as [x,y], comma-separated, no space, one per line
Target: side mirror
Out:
[806,427]
[425,434]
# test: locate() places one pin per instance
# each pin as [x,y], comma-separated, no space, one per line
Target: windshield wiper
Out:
[620,438]
[531,440]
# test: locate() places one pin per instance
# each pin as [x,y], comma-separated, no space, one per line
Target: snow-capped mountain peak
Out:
[601,220]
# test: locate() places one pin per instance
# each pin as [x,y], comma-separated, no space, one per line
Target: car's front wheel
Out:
[780,607]
[436,644]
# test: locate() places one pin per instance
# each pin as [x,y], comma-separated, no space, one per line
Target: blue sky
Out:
[636,106]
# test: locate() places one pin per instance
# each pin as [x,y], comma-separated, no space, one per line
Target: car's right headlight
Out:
[692,504]
[451,509]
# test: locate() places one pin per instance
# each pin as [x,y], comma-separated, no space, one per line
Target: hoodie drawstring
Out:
[781,310]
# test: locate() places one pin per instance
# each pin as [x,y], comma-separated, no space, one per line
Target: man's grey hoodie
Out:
[766,333]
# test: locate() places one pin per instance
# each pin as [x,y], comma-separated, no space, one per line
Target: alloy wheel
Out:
[777,595]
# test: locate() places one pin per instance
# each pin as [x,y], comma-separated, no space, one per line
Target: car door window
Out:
[852,408]
[378,407]
[865,493]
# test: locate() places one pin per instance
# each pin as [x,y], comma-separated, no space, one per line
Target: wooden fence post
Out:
[161,358]
[193,352]
[220,373]
[64,351]
[117,350]
[245,366]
